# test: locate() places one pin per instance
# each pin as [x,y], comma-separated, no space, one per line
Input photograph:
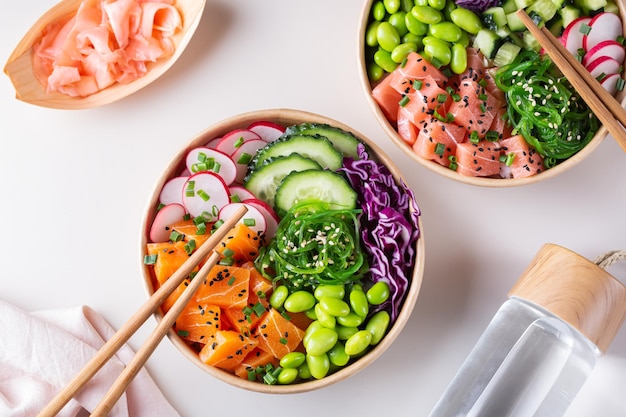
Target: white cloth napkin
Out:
[41,352]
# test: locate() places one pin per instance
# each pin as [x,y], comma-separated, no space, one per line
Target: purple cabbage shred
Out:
[390,228]
[477,6]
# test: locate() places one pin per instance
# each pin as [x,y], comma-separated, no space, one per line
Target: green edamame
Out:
[358,302]
[292,360]
[318,365]
[335,291]
[446,31]
[407,5]
[338,356]
[278,297]
[299,301]
[383,59]
[398,21]
[437,4]
[327,320]
[374,72]
[440,52]
[313,327]
[414,26]
[412,38]
[379,292]
[377,325]
[334,306]
[466,20]
[391,6]
[344,332]
[401,51]
[304,372]
[427,14]
[350,320]
[458,62]
[388,36]
[321,341]
[371,38]
[378,11]
[358,342]
[287,376]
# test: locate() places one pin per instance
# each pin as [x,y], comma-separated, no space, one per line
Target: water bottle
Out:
[542,343]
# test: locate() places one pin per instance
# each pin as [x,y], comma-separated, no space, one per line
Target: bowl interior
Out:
[391,131]
[285,117]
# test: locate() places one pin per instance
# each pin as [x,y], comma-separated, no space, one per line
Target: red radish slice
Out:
[205,194]
[213,143]
[164,219]
[271,218]
[610,83]
[184,173]
[224,166]
[268,131]
[603,65]
[253,218]
[608,48]
[172,191]
[234,139]
[243,155]
[572,36]
[239,192]
[604,26]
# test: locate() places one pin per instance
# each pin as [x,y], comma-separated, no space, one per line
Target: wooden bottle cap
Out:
[575,290]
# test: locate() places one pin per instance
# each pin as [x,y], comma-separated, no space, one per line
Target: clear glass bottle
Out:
[543,342]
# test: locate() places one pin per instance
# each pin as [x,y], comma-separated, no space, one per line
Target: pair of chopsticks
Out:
[136,320]
[602,104]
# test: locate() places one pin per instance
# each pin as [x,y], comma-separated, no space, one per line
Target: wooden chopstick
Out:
[137,319]
[601,103]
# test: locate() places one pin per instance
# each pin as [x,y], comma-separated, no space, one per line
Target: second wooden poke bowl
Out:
[319,277]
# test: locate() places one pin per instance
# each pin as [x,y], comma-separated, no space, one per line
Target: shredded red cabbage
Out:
[389,225]
[477,6]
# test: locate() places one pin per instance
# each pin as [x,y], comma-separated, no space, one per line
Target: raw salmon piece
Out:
[417,68]
[480,159]
[490,84]
[406,129]
[387,98]
[527,161]
[438,140]
[422,103]
[476,109]
[501,124]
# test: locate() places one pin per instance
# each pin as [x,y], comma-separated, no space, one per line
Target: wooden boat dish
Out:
[19,66]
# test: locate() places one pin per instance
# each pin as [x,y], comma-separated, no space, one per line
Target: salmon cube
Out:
[476,109]
[438,140]
[387,98]
[526,160]
[480,159]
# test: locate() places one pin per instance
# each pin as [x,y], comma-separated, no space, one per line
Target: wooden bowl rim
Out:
[286,117]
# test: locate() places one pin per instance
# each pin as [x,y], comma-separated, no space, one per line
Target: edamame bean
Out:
[321,341]
[398,21]
[304,372]
[391,6]
[465,39]
[279,296]
[377,325]
[415,26]
[458,62]
[292,360]
[335,291]
[318,365]
[416,39]
[350,320]
[313,327]
[379,292]
[371,38]
[358,302]
[287,376]
[334,306]
[358,342]
[310,313]
[446,31]
[327,320]
[450,5]
[344,332]
[299,301]
[374,72]
[338,356]
[420,3]
[427,14]
[387,35]
[437,4]
[378,10]
[407,5]
[401,51]
[383,59]
[466,20]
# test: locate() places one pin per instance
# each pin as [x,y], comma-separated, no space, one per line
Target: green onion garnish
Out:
[203,195]
[417,84]
[441,98]
[249,222]
[440,148]
[190,246]
[585,29]
[235,199]
[244,159]
[183,333]
[473,137]
[231,281]
[175,236]
[239,142]
[201,229]
[150,259]
[405,100]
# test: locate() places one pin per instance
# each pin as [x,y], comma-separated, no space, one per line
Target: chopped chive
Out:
[227,262]
[483,108]
[199,167]
[403,63]
[228,252]
[218,223]
[473,137]
[436,63]
[187,216]
[483,97]
[620,84]
[189,191]
[216,167]
[441,98]
[235,199]
[239,142]
[450,90]
[190,246]
[405,100]
[601,77]
[244,159]
[447,72]
[585,29]
[203,195]
[259,309]
[215,210]
[198,220]
[201,229]
[510,157]
[202,157]
[440,148]
[482,82]
[283,341]
[249,222]
[183,333]
[175,236]
[231,281]
[492,135]
[160,206]
[417,84]
[150,259]
[456,97]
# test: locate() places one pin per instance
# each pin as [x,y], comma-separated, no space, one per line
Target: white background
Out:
[74,185]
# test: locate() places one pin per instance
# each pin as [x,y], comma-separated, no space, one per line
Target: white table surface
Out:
[75,184]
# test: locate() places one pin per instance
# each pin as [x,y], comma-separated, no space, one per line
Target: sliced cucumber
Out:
[522,4]
[264,181]
[316,147]
[487,41]
[344,142]
[506,54]
[494,18]
[515,23]
[509,6]
[569,13]
[319,186]
[589,6]
[544,8]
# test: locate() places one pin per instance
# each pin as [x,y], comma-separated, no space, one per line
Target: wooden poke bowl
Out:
[28,88]
[414,271]
[365,58]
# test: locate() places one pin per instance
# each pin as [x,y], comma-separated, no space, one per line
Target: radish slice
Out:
[235,139]
[604,26]
[603,65]
[608,48]
[222,164]
[243,155]
[271,218]
[164,219]
[241,193]
[205,194]
[253,218]
[172,191]
[572,37]
[268,131]
[184,173]
[610,83]
[213,143]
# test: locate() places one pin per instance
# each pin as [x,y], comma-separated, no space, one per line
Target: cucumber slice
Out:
[494,18]
[515,23]
[569,13]
[506,54]
[344,142]
[487,42]
[544,8]
[315,186]
[264,181]
[315,147]
[509,6]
